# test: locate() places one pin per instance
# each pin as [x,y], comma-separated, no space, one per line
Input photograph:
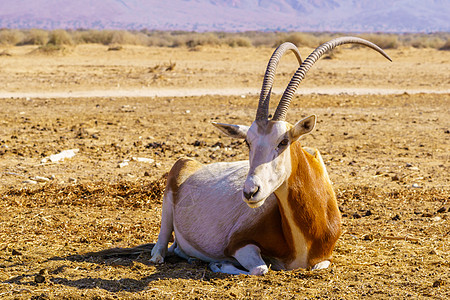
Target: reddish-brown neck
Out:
[311,200]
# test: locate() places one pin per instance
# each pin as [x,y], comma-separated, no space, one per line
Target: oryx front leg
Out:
[165,234]
[250,258]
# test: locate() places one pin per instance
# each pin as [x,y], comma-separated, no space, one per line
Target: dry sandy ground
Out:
[92,67]
[386,154]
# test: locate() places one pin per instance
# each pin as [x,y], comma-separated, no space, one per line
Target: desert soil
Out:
[387,155]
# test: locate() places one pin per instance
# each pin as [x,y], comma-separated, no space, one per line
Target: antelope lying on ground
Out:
[278,208]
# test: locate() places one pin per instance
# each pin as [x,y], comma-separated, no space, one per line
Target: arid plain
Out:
[383,130]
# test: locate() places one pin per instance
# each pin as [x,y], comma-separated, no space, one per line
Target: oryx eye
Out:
[283,143]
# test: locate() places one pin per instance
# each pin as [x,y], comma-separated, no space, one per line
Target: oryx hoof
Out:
[157,259]
[259,270]
[322,265]
[215,267]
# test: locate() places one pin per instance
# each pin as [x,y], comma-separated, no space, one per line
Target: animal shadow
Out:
[174,267]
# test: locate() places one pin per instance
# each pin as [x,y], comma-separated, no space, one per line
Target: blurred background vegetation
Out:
[60,38]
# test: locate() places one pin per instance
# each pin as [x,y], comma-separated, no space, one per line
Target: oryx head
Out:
[269,139]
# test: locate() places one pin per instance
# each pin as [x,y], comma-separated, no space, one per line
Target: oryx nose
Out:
[249,194]
[251,187]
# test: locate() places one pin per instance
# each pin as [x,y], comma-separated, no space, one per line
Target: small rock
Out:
[30,181]
[395,178]
[218,145]
[60,156]
[436,219]
[427,215]
[143,159]
[368,213]
[52,177]
[15,252]
[199,143]
[40,179]
[396,218]
[356,216]
[415,185]
[72,180]
[123,164]
[367,237]
[438,283]
[43,272]
[442,209]
[146,173]
[39,278]
[158,165]
[115,48]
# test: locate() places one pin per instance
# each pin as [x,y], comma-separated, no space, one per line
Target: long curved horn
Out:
[264,98]
[280,113]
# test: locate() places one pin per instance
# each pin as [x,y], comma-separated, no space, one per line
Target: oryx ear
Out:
[235,131]
[303,127]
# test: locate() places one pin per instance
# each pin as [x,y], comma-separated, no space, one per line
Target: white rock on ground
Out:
[40,179]
[143,159]
[60,156]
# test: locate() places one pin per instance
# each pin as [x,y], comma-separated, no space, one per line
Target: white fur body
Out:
[205,219]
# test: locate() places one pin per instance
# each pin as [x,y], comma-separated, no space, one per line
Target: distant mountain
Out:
[230,15]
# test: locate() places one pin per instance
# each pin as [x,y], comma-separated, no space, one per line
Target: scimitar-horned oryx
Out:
[278,208]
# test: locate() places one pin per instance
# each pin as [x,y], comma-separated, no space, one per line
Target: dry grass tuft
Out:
[297,38]
[36,37]
[5,53]
[385,41]
[50,49]
[332,54]
[446,46]
[194,40]
[103,37]
[60,37]
[11,37]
